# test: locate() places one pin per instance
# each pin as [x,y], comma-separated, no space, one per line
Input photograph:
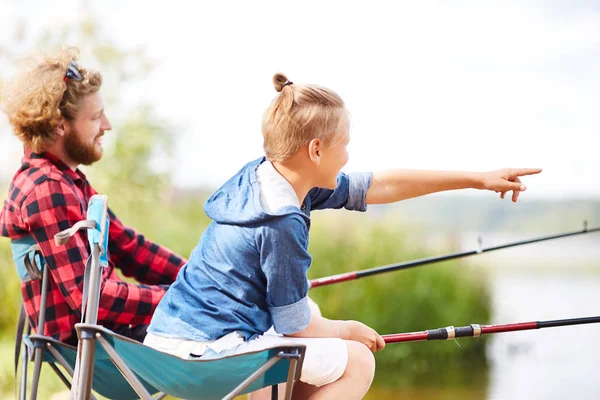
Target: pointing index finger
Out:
[526,171]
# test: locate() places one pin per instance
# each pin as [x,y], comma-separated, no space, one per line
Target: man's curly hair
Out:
[38,98]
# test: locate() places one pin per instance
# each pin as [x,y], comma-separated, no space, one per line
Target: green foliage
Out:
[418,299]
[126,170]
[10,294]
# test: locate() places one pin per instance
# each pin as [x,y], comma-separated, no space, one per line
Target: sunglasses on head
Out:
[73,72]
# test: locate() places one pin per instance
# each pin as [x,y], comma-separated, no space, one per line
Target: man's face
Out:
[83,142]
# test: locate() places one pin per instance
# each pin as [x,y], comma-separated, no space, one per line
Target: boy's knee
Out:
[361,362]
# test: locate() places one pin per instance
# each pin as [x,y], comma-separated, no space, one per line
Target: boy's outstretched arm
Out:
[401,184]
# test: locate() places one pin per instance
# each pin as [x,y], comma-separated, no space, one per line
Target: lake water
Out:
[551,280]
[552,363]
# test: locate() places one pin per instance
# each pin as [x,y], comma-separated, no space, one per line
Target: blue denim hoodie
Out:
[248,272]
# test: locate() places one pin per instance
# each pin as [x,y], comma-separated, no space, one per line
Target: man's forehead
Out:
[93,103]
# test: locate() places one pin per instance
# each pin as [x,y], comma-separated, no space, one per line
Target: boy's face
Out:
[83,142]
[334,157]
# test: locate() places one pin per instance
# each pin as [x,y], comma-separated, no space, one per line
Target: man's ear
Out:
[62,129]
[314,151]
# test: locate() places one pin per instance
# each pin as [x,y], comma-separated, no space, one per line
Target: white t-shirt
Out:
[275,191]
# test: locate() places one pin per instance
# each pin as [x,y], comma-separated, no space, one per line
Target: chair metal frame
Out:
[40,344]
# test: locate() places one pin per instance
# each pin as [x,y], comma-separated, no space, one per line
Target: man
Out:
[56,109]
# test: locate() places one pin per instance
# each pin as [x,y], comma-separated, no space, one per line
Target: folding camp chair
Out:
[108,381]
[224,377]
[31,266]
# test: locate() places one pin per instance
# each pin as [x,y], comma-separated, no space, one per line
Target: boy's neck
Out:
[296,173]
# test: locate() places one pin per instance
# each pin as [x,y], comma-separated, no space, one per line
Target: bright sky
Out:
[429,84]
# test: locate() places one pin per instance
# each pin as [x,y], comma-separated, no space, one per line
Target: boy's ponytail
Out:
[280,81]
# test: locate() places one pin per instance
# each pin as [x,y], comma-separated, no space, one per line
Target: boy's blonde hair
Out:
[39,97]
[299,114]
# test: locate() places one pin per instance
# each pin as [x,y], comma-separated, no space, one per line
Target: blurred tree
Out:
[139,138]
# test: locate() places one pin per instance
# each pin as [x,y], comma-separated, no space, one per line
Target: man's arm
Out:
[52,207]
[396,185]
[139,257]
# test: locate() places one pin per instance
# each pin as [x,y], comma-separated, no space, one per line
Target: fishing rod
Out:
[475,330]
[348,276]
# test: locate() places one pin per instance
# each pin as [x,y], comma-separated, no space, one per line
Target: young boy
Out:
[248,272]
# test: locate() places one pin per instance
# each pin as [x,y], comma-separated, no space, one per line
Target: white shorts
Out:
[325,359]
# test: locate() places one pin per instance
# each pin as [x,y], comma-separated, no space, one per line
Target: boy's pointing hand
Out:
[506,180]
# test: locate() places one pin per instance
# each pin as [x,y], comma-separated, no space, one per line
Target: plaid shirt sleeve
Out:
[52,207]
[140,258]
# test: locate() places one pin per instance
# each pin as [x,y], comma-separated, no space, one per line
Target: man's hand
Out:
[507,179]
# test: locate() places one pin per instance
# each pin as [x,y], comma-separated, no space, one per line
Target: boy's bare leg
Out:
[355,381]
[353,384]
[299,387]
[303,391]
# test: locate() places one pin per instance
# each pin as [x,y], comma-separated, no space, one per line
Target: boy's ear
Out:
[314,151]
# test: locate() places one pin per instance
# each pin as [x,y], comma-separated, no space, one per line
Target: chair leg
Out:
[63,363]
[289,387]
[131,378]
[82,378]
[61,360]
[84,366]
[38,354]
[254,376]
[24,365]
[38,348]
[275,392]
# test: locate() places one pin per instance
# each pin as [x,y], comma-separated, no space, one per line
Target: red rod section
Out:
[406,337]
[333,279]
[431,335]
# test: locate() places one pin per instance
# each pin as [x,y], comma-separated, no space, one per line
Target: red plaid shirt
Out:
[46,197]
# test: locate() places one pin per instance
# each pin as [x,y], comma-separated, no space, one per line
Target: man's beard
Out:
[81,152]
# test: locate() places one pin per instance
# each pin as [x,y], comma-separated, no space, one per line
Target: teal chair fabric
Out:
[20,249]
[198,379]
[107,382]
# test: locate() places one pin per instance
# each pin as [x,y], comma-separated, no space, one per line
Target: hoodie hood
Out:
[237,202]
